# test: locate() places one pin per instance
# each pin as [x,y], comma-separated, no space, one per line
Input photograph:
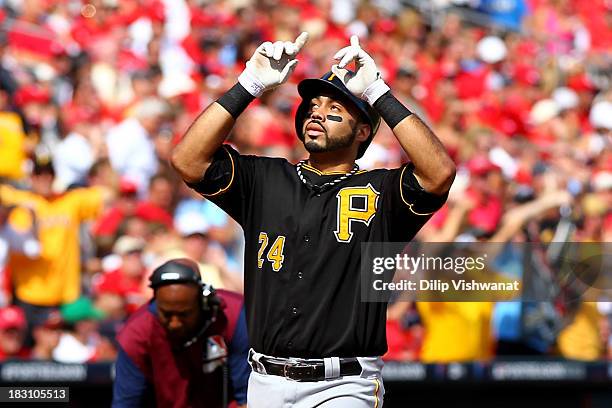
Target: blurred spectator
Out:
[7,78]
[106,227]
[157,208]
[113,305]
[469,323]
[130,144]
[486,191]
[54,278]
[407,89]
[12,333]
[222,228]
[600,117]
[507,14]
[127,280]
[404,332]
[76,153]
[583,338]
[80,341]
[46,337]
[210,257]
[504,323]
[13,144]
[15,241]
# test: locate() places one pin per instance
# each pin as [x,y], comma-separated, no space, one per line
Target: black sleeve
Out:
[228,182]
[408,203]
[415,196]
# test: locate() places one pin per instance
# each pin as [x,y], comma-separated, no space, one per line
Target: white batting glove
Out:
[271,65]
[366,83]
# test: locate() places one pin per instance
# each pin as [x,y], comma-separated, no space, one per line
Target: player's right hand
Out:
[271,65]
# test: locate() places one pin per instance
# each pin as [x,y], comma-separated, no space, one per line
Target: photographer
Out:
[177,350]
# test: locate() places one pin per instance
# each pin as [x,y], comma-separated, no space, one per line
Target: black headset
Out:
[173,272]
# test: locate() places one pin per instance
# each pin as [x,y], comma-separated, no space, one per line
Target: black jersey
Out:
[302,254]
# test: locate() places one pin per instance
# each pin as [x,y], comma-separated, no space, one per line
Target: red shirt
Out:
[110,221]
[24,353]
[487,214]
[108,224]
[152,213]
[117,282]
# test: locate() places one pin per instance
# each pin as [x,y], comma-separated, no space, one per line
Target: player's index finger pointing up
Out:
[300,41]
[354,41]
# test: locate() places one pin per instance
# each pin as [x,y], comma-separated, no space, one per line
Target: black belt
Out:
[307,371]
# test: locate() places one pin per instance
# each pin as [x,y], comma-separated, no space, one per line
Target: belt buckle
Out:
[297,375]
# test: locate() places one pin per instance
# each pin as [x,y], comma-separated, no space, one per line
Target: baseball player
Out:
[314,342]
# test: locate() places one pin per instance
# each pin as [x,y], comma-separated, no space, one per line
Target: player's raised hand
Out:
[366,72]
[271,65]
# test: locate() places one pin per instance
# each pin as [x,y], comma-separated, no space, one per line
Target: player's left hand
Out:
[366,75]
[271,65]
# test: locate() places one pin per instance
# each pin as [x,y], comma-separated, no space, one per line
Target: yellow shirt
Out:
[456,331]
[55,277]
[581,339]
[12,146]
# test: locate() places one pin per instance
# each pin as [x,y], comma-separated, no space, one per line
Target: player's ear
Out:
[363,132]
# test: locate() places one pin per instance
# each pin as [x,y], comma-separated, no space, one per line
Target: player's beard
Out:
[331,144]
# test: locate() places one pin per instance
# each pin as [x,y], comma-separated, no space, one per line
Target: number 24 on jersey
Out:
[275,253]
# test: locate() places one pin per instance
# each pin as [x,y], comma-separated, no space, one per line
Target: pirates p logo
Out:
[349,212]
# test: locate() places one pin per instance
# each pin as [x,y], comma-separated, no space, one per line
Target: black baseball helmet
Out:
[309,88]
[185,271]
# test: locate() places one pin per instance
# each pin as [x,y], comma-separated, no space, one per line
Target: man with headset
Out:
[187,347]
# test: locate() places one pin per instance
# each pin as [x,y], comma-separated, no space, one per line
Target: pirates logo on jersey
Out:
[214,354]
[350,211]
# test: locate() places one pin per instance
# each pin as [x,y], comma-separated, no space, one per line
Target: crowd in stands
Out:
[95,93]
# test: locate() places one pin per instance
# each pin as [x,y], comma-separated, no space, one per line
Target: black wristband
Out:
[236,100]
[391,110]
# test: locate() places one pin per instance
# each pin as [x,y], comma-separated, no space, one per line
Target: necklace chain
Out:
[324,186]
